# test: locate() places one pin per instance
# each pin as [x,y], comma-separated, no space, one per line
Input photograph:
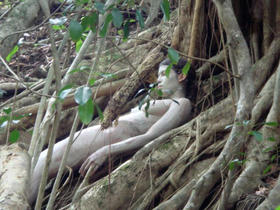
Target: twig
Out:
[57,72]
[18,79]
[183,54]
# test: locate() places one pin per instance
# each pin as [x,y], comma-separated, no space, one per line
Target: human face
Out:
[168,85]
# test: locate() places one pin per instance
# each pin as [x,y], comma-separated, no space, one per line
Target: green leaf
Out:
[173,55]
[90,21]
[62,94]
[85,22]
[267,169]
[93,21]
[271,139]
[140,19]
[78,45]
[7,110]
[277,208]
[82,95]
[74,71]
[3,121]
[233,163]
[186,68]
[268,149]
[58,27]
[75,30]
[100,7]
[117,18]
[110,7]
[258,136]
[273,157]
[92,81]
[99,111]
[159,92]
[104,28]
[125,31]
[165,8]
[275,124]
[131,3]
[86,112]
[18,117]
[13,51]
[168,69]
[14,136]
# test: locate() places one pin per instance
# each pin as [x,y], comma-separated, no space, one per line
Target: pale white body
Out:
[133,131]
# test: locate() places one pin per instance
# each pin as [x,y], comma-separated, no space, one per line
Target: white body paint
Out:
[133,131]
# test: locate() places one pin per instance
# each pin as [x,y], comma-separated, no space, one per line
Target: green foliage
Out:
[129,3]
[100,7]
[14,136]
[186,68]
[62,94]
[12,53]
[104,28]
[81,2]
[258,136]
[92,81]
[273,124]
[82,95]
[86,111]
[267,169]
[173,55]
[78,45]
[126,31]
[140,19]
[234,163]
[168,69]
[58,27]
[75,30]
[271,139]
[117,17]
[90,21]
[7,110]
[277,208]
[164,5]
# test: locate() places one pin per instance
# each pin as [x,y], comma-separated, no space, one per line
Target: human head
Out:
[173,83]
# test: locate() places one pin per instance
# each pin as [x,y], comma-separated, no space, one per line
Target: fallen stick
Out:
[105,90]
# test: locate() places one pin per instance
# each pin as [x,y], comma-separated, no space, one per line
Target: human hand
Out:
[94,161]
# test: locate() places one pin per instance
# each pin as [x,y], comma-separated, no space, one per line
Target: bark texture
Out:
[14,182]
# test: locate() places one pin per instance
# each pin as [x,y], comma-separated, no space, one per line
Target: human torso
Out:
[142,119]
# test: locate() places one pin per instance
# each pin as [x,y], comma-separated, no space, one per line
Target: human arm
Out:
[176,114]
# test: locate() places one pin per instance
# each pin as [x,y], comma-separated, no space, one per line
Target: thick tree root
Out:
[14,173]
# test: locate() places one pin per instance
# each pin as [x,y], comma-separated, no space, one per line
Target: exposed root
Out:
[250,202]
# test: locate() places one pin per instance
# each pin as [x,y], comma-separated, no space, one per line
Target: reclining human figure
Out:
[133,130]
